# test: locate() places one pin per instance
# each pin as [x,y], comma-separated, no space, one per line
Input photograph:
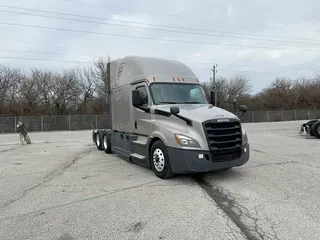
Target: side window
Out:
[143,95]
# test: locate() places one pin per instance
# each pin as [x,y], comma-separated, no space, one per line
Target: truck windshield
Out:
[177,93]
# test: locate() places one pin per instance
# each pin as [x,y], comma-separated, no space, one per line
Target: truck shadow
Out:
[216,175]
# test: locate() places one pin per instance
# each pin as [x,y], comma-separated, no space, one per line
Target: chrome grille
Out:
[224,138]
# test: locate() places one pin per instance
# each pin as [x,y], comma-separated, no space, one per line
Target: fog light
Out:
[200,156]
[245,149]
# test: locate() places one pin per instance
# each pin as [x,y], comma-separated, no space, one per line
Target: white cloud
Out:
[230,10]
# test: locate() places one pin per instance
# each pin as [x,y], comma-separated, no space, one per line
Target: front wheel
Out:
[99,141]
[27,139]
[159,160]
[22,139]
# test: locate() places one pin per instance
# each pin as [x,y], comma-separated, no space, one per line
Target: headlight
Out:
[244,137]
[186,141]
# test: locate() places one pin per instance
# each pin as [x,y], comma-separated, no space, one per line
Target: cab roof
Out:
[132,68]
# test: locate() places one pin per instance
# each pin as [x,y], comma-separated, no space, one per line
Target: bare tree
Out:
[44,85]
[239,86]
[228,90]
[101,85]
[28,96]
[85,91]
[85,88]
[12,99]
[63,91]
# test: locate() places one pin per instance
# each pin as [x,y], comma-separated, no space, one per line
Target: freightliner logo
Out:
[223,120]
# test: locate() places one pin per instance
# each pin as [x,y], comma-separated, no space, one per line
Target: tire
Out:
[107,143]
[22,140]
[99,141]
[27,138]
[159,150]
[315,129]
[309,124]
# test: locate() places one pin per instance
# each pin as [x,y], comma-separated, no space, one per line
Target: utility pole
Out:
[214,71]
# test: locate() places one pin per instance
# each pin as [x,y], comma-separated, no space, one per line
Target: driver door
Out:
[142,119]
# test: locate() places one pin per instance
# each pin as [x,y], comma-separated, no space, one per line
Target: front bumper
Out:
[191,161]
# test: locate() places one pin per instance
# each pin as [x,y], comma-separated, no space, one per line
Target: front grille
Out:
[224,139]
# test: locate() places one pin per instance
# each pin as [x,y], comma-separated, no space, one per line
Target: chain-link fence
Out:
[54,123]
[86,122]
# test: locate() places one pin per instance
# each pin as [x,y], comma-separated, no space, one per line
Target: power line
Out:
[45,60]
[134,10]
[42,52]
[128,9]
[159,25]
[78,55]
[50,60]
[85,62]
[62,61]
[157,39]
[158,29]
[72,54]
[153,13]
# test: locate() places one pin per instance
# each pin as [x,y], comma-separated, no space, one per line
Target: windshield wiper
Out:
[191,102]
[169,102]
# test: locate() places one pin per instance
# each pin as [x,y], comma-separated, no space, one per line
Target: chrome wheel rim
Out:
[105,143]
[98,139]
[158,159]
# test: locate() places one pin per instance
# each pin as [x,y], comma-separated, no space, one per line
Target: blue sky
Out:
[288,29]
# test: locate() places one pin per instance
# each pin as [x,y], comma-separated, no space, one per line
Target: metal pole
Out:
[214,71]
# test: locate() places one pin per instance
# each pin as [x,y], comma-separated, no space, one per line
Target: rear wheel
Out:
[159,160]
[98,141]
[27,139]
[107,144]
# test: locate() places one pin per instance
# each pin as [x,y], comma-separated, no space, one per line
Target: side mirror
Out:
[243,108]
[174,110]
[212,98]
[135,98]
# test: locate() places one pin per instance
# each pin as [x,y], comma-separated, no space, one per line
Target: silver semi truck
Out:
[159,118]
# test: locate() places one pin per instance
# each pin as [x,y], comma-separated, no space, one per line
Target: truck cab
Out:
[161,119]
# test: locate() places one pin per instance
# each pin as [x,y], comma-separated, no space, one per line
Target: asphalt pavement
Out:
[62,187]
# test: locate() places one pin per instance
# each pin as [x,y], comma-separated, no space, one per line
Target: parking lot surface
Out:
[62,187]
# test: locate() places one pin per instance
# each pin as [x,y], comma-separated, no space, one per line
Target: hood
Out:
[199,113]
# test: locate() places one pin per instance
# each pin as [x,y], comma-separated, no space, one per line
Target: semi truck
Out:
[160,118]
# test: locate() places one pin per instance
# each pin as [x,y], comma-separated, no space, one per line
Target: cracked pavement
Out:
[62,187]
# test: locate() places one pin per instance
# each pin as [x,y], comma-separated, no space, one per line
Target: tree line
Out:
[53,92]
[84,91]
[281,94]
